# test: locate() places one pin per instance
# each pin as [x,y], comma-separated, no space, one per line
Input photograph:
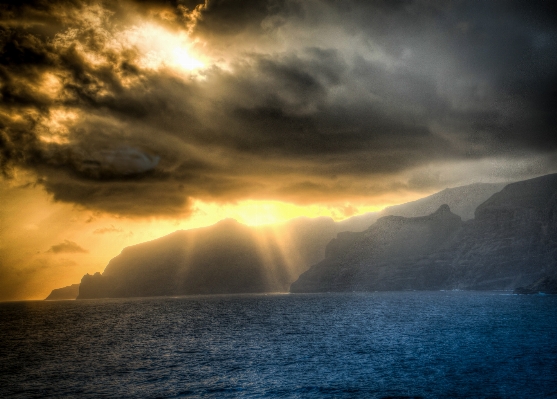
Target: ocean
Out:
[337,345]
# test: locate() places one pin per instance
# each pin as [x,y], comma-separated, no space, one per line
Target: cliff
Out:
[511,242]
[69,292]
[232,258]
[224,258]
[393,254]
[227,257]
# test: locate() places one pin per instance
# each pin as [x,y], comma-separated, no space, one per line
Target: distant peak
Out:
[229,224]
[444,213]
[228,221]
[443,209]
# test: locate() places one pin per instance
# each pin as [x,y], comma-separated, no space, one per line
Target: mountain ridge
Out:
[304,243]
[510,243]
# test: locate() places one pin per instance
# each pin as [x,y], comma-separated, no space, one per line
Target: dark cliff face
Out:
[387,256]
[225,258]
[228,257]
[528,195]
[64,293]
[510,243]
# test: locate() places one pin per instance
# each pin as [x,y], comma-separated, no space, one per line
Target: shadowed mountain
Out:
[359,222]
[462,201]
[227,257]
[387,256]
[69,292]
[511,242]
[232,258]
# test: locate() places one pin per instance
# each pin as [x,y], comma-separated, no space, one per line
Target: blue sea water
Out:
[370,345]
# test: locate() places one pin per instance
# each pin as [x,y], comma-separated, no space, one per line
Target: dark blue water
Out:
[442,344]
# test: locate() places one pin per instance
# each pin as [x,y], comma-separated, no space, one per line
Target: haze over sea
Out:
[373,345]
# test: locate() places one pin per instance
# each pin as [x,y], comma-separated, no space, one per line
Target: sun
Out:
[183,59]
[161,48]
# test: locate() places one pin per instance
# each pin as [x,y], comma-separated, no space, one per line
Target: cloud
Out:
[297,101]
[67,247]
[105,230]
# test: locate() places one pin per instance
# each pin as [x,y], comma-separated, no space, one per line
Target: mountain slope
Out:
[510,243]
[391,255]
[224,258]
[462,201]
[69,292]
[227,257]
[232,258]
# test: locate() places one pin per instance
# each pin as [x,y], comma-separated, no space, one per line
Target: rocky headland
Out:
[69,292]
[222,259]
[227,257]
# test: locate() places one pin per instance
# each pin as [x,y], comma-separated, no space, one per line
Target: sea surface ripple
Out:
[372,345]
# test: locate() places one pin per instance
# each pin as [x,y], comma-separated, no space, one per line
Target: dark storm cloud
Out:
[306,99]
[67,247]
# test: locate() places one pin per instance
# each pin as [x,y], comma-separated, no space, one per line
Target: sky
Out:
[123,121]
